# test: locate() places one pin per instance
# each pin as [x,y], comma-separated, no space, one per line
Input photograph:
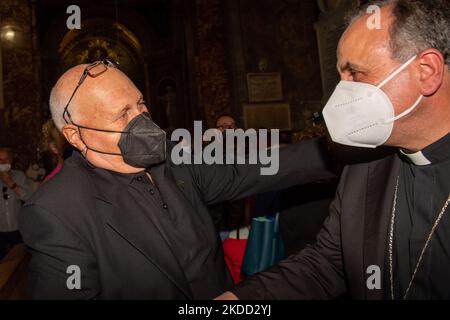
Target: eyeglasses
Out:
[227,126]
[5,195]
[93,70]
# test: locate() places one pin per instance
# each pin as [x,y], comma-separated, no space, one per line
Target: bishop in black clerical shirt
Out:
[388,232]
[423,191]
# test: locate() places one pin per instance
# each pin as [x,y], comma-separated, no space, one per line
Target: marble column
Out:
[212,54]
[22,116]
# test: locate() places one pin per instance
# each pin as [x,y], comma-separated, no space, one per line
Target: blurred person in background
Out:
[15,190]
[53,143]
[386,236]
[227,216]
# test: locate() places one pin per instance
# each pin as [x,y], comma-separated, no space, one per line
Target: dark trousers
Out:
[8,240]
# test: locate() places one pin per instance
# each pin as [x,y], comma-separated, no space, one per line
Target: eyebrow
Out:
[350,66]
[128,107]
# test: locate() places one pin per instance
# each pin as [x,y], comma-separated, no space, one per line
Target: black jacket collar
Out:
[382,176]
[141,232]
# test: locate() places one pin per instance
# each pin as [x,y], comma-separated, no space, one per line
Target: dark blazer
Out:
[303,210]
[80,218]
[353,237]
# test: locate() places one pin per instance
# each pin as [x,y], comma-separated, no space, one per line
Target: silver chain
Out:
[391,242]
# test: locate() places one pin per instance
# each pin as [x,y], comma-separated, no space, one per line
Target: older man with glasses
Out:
[121,222]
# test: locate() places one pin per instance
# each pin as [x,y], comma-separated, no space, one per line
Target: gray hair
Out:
[57,104]
[58,100]
[418,25]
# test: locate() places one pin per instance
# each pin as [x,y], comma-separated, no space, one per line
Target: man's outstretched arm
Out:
[299,163]
[314,273]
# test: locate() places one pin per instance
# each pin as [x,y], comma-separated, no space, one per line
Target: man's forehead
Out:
[363,46]
[225,119]
[104,80]
[105,92]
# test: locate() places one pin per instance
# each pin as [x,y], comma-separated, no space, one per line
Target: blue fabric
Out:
[264,246]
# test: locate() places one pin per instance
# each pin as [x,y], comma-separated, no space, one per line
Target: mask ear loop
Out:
[389,78]
[82,140]
[404,113]
[95,150]
[396,72]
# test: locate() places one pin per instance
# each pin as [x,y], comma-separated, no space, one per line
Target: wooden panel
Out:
[13,272]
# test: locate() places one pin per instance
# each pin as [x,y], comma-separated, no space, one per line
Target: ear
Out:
[72,135]
[431,64]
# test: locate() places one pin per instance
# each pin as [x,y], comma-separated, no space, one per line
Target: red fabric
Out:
[53,173]
[234,251]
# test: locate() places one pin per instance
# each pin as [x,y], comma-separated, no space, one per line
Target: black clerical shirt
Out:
[424,187]
[182,229]
[132,238]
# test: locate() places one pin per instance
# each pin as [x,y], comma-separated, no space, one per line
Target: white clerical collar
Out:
[417,158]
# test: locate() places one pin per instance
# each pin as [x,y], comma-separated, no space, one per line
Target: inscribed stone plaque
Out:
[264,87]
[267,115]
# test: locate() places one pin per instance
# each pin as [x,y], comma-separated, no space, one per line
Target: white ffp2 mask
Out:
[362,115]
[5,167]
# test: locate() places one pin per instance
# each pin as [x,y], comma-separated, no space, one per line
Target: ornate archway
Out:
[102,38]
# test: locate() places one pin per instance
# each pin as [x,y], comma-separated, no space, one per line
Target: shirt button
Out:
[165,206]
[139,178]
[151,191]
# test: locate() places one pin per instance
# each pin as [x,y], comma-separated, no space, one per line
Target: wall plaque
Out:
[267,116]
[264,87]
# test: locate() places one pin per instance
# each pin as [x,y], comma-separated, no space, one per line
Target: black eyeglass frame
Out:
[227,126]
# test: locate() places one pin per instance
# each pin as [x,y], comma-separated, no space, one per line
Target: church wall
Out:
[20,118]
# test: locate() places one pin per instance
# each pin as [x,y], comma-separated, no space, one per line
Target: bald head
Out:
[90,96]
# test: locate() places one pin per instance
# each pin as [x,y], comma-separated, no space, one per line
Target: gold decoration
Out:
[97,49]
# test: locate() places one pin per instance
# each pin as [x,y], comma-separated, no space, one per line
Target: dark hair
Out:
[418,25]
[7,149]
[223,115]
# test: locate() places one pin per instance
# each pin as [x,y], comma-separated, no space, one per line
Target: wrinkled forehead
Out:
[105,93]
[111,80]
[110,85]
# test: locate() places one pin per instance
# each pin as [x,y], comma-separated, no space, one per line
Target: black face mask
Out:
[142,143]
